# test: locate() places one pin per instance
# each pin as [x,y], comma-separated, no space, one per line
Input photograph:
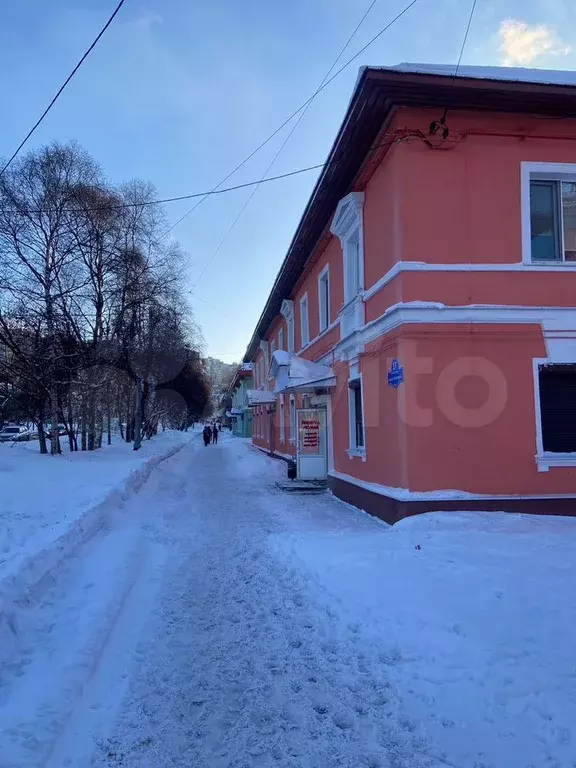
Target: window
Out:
[558,407]
[287,311]
[304,327]
[352,267]
[272,350]
[348,227]
[324,298]
[356,415]
[282,422]
[281,338]
[292,419]
[552,220]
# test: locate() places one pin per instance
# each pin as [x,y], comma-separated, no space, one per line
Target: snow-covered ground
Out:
[212,621]
[43,497]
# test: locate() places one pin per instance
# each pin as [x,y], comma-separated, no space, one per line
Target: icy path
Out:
[176,638]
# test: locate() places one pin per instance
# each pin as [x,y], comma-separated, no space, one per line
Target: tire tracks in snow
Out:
[76,643]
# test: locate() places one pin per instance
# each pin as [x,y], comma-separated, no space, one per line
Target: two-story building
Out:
[240,413]
[418,347]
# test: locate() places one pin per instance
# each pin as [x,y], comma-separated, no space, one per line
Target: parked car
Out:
[12,433]
[62,430]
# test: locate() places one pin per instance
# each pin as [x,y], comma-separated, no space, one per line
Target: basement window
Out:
[557,398]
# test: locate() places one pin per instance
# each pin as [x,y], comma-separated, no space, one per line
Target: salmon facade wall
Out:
[453,206]
[330,254]
[463,204]
[472,424]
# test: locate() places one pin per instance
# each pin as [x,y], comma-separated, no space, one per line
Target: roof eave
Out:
[378,92]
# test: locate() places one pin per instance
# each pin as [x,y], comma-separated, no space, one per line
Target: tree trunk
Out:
[42,434]
[83,422]
[108,419]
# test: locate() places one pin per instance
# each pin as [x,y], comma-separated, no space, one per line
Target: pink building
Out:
[418,348]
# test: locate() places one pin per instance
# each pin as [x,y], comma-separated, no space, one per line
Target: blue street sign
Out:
[395,374]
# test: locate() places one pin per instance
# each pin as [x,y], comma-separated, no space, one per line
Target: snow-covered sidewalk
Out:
[44,497]
[215,622]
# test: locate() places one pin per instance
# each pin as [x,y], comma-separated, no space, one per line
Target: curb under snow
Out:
[33,569]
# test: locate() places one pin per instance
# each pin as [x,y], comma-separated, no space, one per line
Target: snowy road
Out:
[175,637]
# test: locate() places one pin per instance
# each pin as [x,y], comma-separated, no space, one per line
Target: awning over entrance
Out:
[256,397]
[295,374]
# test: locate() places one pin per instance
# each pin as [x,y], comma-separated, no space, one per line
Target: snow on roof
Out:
[281,357]
[292,372]
[515,74]
[259,397]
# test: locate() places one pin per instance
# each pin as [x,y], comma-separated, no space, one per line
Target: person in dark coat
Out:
[207,434]
[215,434]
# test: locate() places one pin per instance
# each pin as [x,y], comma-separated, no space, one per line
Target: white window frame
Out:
[304,326]
[541,172]
[281,339]
[547,459]
[324,299]
[272,350]
[287,312]
[292,432]
[355,450]
[282,419]
[348,226]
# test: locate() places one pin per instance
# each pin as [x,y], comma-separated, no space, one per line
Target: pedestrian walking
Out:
[207,434]
[215,434]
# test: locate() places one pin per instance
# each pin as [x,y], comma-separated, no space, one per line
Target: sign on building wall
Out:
[395,374]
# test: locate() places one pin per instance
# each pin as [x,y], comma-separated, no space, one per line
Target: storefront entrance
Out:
[312,445]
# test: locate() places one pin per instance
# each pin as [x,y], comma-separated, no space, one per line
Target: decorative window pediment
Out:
[287,309]
[348,216]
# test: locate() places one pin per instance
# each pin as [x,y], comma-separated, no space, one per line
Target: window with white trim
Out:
[282,420]
[324,298]
[272,347]
[304,323]
[292,419]
[356,414]
[352,266]
[557,384]
[281,338]
[552,218]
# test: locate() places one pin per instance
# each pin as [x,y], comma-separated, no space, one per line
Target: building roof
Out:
[379,90]
[296,374]
[259,397]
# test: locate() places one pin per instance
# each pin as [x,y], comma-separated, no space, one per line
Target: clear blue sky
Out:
[178,92]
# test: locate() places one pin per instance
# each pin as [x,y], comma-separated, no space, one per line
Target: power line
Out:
[465,36]
[63,86]
[146,203]
[286,140]
[437,125]
[300,108]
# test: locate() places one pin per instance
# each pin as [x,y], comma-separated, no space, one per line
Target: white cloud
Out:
[521,43]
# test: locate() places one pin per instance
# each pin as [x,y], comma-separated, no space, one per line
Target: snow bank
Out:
[44,521]
[476,613]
